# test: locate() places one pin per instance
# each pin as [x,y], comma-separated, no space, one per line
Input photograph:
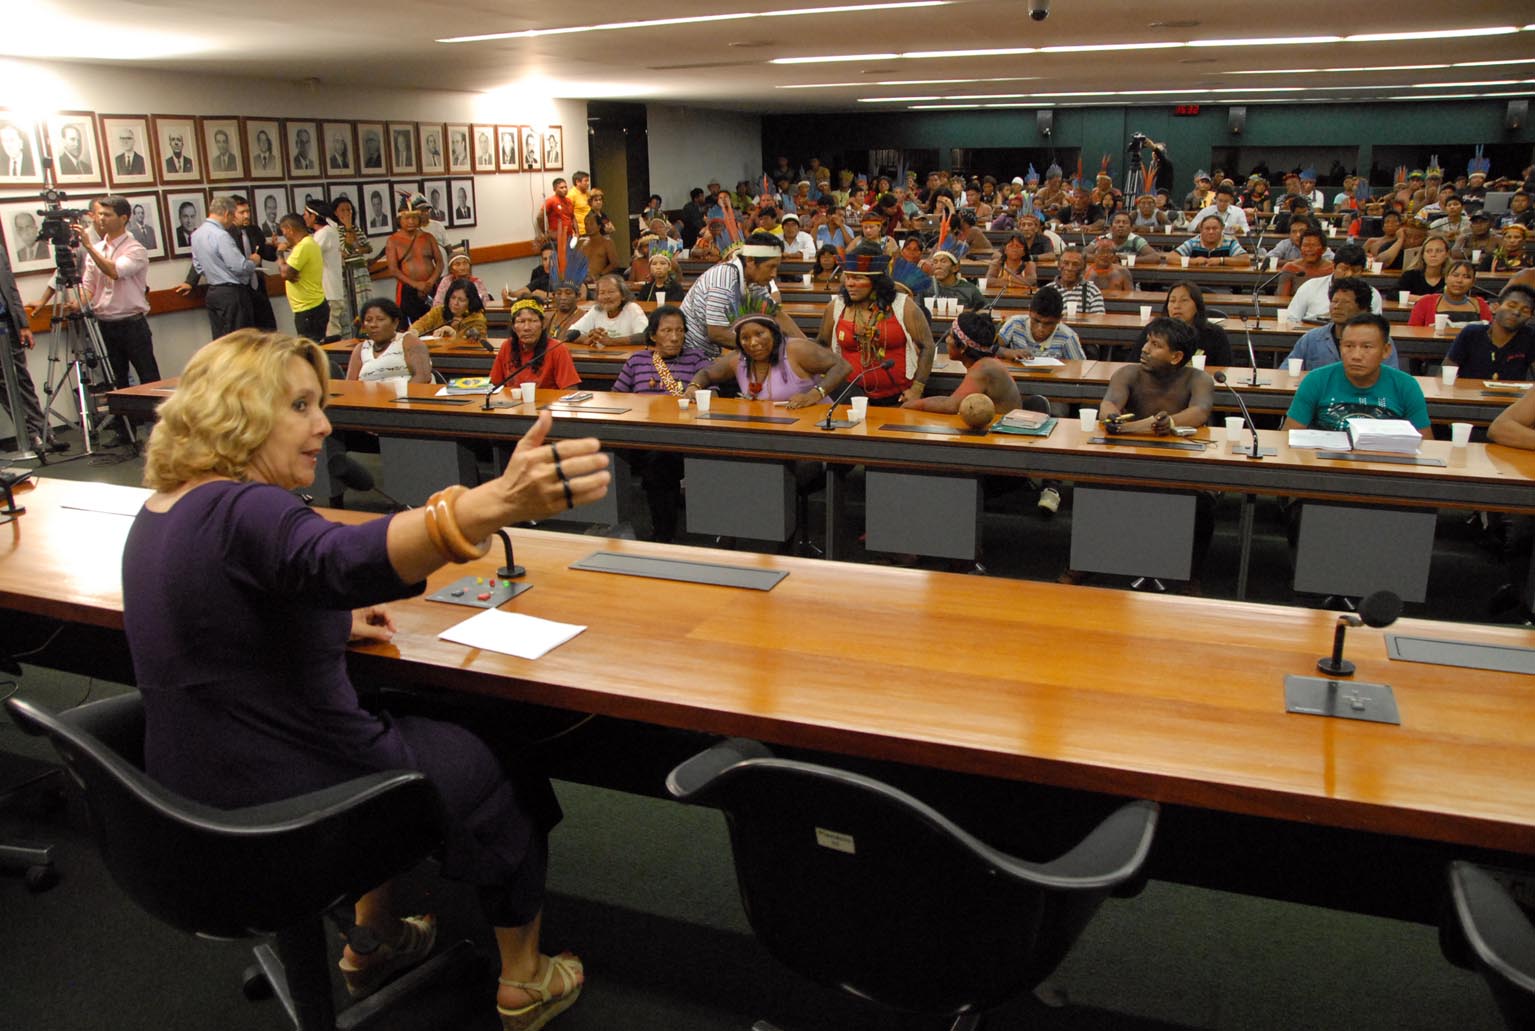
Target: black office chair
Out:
[1501,940]
[272,869]
[855,884]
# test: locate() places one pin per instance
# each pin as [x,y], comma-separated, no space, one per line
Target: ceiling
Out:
[727,63]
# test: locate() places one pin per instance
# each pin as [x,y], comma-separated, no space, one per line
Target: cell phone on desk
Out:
[582,395]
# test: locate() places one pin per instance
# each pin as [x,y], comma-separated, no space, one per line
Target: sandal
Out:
[417,936]
[544,1007]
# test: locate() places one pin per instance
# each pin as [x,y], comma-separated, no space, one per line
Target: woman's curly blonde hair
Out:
[225,405]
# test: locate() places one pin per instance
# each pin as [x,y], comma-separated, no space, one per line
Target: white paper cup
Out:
[1460,433]
[660,298]
[1145,313]
[1448,374]
[705,399]
[1129,261]
[1296,366]
[1377,267]
[684,252]
[1087,418]
[1476,256]
[932,304]
[1441,323]
[805,279]
[684,402]
[1404,297]
[1273,263]
[858,407]
[1198,361]
[1183,260]
[1071,309]
[528,390]
[401,385]
[1234,424]
[980,284]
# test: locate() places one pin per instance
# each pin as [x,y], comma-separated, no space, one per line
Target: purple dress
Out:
[781,383]
[237,604]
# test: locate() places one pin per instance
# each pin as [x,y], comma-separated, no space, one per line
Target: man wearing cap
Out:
[1199,196]
[412,258]
[796,242]
[1310,192]
[711,303]
[947,282]
[1479,237]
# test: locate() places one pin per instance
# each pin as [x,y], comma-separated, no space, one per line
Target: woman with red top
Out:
[548,364]
[1456,301]
[872,323]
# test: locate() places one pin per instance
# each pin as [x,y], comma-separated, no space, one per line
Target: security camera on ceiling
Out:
[1039,10]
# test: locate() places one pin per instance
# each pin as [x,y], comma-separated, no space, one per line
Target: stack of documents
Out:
[1397,436]
[1025,422]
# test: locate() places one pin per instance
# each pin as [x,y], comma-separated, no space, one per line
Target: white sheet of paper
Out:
[511,633]
[1326,440]
[1043,361]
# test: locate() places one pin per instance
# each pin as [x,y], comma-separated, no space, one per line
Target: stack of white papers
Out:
[1324,440]
[1394,435]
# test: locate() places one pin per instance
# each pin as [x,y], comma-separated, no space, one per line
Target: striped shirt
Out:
[639,376]
[1062,344]
[1087,295]
[713,300]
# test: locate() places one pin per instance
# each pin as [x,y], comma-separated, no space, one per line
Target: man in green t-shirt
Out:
[1360,384]
[299,260]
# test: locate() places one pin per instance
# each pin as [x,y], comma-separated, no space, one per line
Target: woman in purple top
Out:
[769,367]
[239,602]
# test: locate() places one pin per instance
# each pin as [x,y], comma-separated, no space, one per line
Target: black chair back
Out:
[1501,937]
[860,886]
[233,873]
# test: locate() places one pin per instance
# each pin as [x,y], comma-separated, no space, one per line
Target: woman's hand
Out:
[544,479]
[804,399]
[372,624]
[691,390]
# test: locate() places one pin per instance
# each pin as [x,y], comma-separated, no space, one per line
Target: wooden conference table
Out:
[1073,687]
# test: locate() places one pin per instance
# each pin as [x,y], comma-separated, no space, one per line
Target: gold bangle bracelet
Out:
[457,546]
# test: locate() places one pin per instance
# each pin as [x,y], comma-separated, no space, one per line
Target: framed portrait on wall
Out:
[461,210]
[434,150]
[76,149]
[460,156]
[333,190]
[484,151]
[20,222]
[303,193]
[402,149]
[21,158]
[268,204]
[303,139]
[187,210]
[436,193]
[176,156]
[508,149]
[230,190]
[222,148]
[554,149]
[374,207]
[340,148]
[146,224]
[371,149]
[127,157]
[532,150]
[401,191]
[263,148]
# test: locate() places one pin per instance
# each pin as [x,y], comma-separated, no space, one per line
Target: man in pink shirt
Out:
[114,278]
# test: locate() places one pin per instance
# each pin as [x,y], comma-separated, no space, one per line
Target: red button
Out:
[484,597]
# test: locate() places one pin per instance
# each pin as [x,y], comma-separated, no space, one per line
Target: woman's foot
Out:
[529,1005]
[413,940]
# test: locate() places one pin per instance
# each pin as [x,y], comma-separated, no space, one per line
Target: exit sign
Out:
[1186,109]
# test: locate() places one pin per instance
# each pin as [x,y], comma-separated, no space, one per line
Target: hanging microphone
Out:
[508,377]
[888,363]
[1378,610]
[1256,452]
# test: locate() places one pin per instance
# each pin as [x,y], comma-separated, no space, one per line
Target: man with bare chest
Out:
[1162,391]
[412,258]
[1105,271]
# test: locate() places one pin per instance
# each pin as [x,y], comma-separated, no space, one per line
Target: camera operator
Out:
[1141,143]
[114,280]
[16,334]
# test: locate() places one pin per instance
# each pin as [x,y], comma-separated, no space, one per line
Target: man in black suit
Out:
[340,153]
[73,159]
[140,228]
[186,218]
[128,161]
[176,161]
[378,215]
[462,210]
[16,335]
[15,156]
[269,219]
[249,239]
[24,238]
[223,159]
[302,160]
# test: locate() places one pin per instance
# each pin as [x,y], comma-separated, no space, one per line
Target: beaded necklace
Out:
[869,324]
[664,374]
[753,384]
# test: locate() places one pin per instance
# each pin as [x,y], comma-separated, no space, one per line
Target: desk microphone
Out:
[1379,609]
[1257,319]
[508,377]
[1256,452]
[888,363]
[486,344]
[348,472]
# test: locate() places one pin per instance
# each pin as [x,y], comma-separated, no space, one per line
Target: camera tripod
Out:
[78,366]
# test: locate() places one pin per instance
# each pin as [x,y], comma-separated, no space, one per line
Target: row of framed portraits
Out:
[163,221]
[124,151]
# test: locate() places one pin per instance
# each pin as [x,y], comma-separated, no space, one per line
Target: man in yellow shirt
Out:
[300,262]
[580,195]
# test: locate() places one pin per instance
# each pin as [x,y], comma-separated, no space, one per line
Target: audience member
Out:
[1457,300]
[412,258]
[972,341]
[385,351]
[1361,382]
[614,319]
[1072,286]
[461,314]
[870,322]
[1185,303]
[301,266]
[1346,297]
[1502,348]
[1210,247]
[1042,333]
[529,356]
[1312,300]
